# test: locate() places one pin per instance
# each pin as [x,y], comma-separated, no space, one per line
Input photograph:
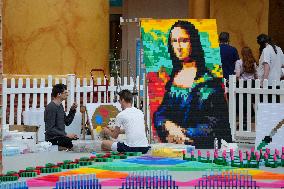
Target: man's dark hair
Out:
[126,95]
[224,37]
[58,89]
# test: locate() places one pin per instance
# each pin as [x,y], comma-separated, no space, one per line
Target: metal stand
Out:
[85,124]
[99,85]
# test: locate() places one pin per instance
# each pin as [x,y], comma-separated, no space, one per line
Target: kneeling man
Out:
[55,119]
[131,122]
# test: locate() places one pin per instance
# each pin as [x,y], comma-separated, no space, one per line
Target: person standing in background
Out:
[245,69]
[229,55]
[271,60]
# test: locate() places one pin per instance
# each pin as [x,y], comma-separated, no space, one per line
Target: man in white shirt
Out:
[271,60]
[131,122]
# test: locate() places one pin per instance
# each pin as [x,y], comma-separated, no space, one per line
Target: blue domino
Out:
[149,179]
[14,185]
[78,182]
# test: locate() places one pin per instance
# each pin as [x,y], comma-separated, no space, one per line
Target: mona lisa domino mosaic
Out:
[185,81]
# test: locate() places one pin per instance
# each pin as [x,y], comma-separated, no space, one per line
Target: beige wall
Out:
[146,9]
[57,37]
[243,19]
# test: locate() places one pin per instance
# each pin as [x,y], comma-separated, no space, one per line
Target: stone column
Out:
[1,80]
[199,9]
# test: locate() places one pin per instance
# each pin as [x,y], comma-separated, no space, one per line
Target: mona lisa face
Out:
[180,41]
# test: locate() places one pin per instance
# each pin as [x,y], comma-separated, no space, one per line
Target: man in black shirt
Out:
[55,118]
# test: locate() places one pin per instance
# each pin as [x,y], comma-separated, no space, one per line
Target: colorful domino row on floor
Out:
[161,179]
[152,179]
[135,180]
[66,164]
[252,160]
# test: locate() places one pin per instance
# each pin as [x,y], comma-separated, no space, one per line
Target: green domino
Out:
[84,159]
[123,156]
[30,169]
[50,170]
[205,160]
[129,153]
[98,159]
[85,163]
[67,161]
[70,166]
[273,164]
[254,164]
[186,158]
[57,169]
[49,165]
[138,153]
[103,159]
[133,153]
[115,157]
[107,159]
[100,155]
[45,170]
[11,172]
[28,174]
[8,178]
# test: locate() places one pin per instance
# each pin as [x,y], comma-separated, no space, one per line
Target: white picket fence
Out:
[28,94]
[37,95]
[260,95]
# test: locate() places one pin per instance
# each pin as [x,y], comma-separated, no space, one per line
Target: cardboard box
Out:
[25,128]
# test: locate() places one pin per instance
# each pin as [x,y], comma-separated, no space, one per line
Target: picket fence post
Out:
[71,88]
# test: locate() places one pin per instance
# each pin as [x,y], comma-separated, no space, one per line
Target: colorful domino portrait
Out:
[185,80]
